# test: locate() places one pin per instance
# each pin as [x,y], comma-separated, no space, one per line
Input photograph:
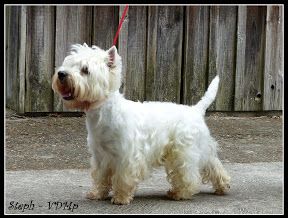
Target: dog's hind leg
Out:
[214,171]
[182,173]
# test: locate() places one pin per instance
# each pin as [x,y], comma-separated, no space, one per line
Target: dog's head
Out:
[87,76]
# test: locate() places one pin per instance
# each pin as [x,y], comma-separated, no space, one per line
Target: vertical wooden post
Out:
[39,58]
[22,55]
[274,59]
[136,53]
[123,45]
[195,53]
[222,52]
[163,81]
[11,48]
[250,58]
[105,23]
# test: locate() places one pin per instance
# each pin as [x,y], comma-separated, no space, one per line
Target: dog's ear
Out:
[112,53]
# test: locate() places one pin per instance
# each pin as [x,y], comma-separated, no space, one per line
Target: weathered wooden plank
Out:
[195,53]
[222,52]
[105,23]
[21,60]
[136,53]
[250,58]
[240,58]
[73,25]
[164,80]
[123,45]
[12,40]
[151,52]
[39,58]
[274,59]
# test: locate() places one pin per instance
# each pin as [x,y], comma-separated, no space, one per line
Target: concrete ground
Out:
[47,169]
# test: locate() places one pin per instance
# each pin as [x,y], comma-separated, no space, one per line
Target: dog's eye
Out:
[85,71]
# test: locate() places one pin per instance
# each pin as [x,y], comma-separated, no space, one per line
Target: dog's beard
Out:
[74,96]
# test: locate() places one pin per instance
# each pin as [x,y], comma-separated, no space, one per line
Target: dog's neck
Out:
[112,100]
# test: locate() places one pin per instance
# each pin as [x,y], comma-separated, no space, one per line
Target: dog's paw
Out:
[121,201]
[219,192]
[178,196]
[175,196]
[172,195]
[91,195]
[223,190]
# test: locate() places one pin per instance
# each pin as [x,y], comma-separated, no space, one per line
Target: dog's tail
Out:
[209,96]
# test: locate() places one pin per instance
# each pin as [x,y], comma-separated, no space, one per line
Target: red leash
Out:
[120,24]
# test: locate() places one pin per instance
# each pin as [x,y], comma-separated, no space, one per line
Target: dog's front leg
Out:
[101,184]
[124,187]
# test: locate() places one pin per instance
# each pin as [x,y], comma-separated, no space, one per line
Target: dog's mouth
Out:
[67,96]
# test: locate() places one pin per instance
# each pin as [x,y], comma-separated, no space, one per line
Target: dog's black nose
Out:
[62,75]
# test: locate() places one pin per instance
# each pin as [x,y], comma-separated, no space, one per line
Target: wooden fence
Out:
[170,53]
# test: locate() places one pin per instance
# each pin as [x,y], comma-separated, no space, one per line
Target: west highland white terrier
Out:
[128,139]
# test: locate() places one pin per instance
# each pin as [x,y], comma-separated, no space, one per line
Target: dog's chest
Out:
[102,134]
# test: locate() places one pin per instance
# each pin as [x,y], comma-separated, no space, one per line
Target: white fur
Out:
[128,139]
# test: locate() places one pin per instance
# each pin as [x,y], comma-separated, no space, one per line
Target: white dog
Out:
[128,139]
